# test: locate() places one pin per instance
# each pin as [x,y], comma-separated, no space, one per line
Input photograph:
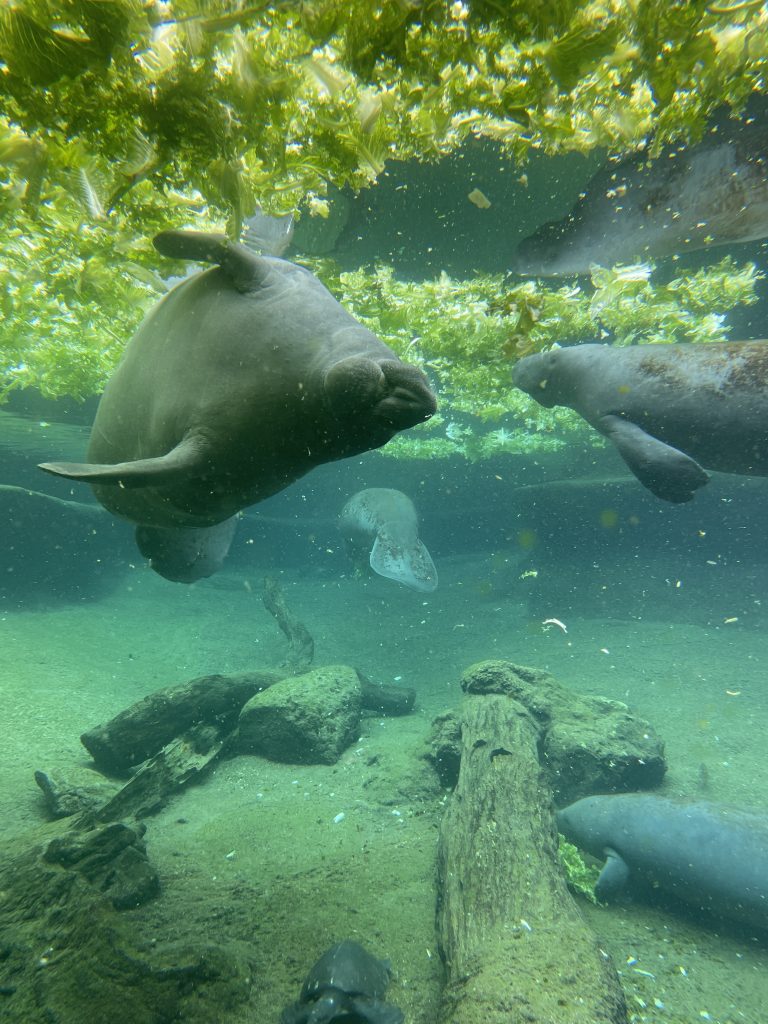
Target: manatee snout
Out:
[408,399]
[533,374]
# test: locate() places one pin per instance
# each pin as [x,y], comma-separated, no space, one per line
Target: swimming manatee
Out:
[382,523]
[668,409]
[238,382]
[713,858]
[689,197]
[346,984]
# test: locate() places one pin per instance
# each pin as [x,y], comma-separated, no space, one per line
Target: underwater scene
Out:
[383,474]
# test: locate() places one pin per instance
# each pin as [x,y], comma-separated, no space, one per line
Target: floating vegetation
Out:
[120,118]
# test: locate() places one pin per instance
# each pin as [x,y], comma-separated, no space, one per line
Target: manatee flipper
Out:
[245,269]
[613,878]
[186,554]
[411,565]
[666,472]
[374,1011]
[188,457]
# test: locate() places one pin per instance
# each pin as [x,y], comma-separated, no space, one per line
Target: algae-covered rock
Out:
[307,719]
[112,858]
[587,744]
[69,956]
[601,747]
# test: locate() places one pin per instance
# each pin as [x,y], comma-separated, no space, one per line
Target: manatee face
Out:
[373,400]
[537,376]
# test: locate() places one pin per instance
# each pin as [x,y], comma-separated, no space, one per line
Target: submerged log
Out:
[515,946]
[301,646]
[146,727]
[159,778]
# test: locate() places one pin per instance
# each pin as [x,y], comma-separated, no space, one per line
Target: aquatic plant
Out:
[118,118]
[580,876]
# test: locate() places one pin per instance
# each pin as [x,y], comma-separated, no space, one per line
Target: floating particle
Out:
[480,200]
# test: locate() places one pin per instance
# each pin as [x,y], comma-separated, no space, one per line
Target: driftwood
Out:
[179,762]
[301,646]
[146,727]
[515,945]
[586,744]
[174,735]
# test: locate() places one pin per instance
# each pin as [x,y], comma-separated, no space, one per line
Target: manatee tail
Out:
[411,565]
[186,554]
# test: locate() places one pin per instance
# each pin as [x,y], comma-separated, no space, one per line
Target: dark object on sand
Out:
[346,984]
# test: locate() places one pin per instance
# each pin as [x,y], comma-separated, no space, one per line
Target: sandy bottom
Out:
[255,855]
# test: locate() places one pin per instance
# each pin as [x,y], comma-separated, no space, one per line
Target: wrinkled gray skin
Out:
[711,857]
[346,984]
[689,197]
[383,521]
[668,409]
[238,382]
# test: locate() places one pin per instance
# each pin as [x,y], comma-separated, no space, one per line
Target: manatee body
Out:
[668,409]
[383,521]
[239,381]
[688,198]
[711,857]
[346,984]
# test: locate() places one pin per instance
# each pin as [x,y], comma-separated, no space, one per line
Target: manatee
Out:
[668,409]
[383,521]
[689,197]
[346,984]
[239,381]
[712,857]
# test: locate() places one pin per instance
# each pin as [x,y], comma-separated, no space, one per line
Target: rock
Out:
[588,744]
[307,719]
[601,747]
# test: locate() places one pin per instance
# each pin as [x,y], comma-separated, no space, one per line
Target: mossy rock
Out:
[307,719]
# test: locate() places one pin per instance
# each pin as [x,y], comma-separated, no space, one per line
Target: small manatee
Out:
[382,522]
